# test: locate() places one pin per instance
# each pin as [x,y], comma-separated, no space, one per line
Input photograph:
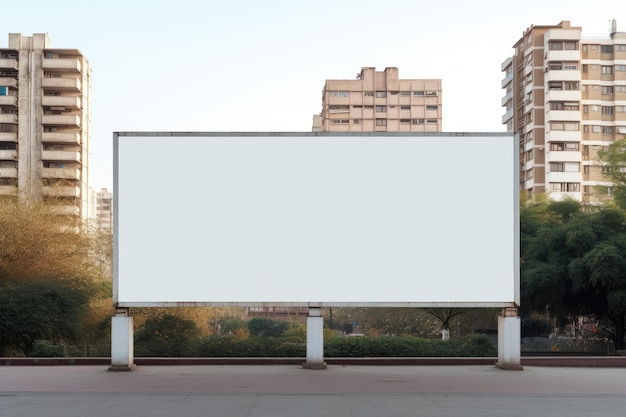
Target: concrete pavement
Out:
[290,390]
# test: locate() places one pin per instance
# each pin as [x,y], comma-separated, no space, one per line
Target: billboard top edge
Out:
[312,134]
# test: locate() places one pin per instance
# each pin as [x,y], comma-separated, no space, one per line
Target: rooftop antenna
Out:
[613,27]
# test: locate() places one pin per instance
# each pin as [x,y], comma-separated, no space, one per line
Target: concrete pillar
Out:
[122,344]
[315,340]
[509,340]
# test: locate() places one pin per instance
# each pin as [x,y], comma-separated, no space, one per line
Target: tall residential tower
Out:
[566,97]
[44,124]
[378,101]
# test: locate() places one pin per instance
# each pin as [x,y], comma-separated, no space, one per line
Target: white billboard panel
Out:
[316,219]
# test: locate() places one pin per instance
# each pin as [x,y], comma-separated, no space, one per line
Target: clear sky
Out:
[199,65]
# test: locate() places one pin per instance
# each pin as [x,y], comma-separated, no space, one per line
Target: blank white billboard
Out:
[303,219]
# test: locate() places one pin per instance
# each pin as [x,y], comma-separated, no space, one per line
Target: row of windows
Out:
[565,186]
[606,49]
[604,69]
[378,108]
[575,126]
[383,94]
[383,122]
[604,109]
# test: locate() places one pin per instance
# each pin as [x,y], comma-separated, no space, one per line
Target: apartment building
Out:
[104,210]
[378,101]
[565,94]
[44,124]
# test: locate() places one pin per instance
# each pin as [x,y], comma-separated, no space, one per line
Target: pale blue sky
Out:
[192,65]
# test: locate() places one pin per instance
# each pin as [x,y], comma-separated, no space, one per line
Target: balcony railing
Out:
[61,137]
[67,84]
[8,172]
[8,155]
[8,190]
[62,173]
[59,101]
[8,81]
[8,118]
[8,63]
[62,64]
[61,191]
[8,137]
[8,101]
[61,120]
[53,155]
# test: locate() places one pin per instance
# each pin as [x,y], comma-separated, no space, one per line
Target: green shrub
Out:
[47,349]
[167,335]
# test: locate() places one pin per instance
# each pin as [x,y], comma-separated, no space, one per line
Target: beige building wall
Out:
[379,101]
[44,124]
[565,95]
[104,210]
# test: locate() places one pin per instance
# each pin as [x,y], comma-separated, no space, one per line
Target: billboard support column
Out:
[315,340]
[509,338]
[122,345]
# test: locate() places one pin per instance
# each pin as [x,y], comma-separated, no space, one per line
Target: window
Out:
[381,94]
[356,121]
[417,121]
[431,121]
[607,89]
[564,146]
[620,68]
[405,121]
[339,121]
[431,107]
[565,186]
[585,68]
[562,105]
[620,88]
[368,94]
[339,94]
[569,126]
[393,93]
[405,93]
[620,109]
[338,107]
[381,109]
[607,130]
[570,85]
[606,49]
[596,129]
[381,122]
[571,45]
[607,109]
[606,69]
[565,167]
[418,93]
[620,47]
[405,107]
[431,93]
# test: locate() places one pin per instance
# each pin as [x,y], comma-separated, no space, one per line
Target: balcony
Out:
[563,177]
[8,82]
[507,79]
[61,120]
[61,137]
[8,155]
[507,116]
[8,172]
[65,210]
[8,101]
[563,156]
[8,64]
[562,95]
[563,115]
[53,155]
[61,84]
[8,190]
[59,101]
[62,64]
[561,55]
[508,97]
[8,137]
[62,173]
[563,136]
[61,191]
[8,118]
[561,75]
[562,195]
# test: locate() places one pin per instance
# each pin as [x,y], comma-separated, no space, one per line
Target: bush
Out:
[51,310]
[167,335]
[47,349]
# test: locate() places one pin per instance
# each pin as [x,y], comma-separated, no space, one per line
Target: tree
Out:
[613,159]
[446,316]
[166,335]
[574,263]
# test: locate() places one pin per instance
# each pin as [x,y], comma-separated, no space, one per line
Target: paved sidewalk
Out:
[290,390]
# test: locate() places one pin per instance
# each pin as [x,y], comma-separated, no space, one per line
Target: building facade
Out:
[565,95]
[378,101]
[104,211]
[45,124]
